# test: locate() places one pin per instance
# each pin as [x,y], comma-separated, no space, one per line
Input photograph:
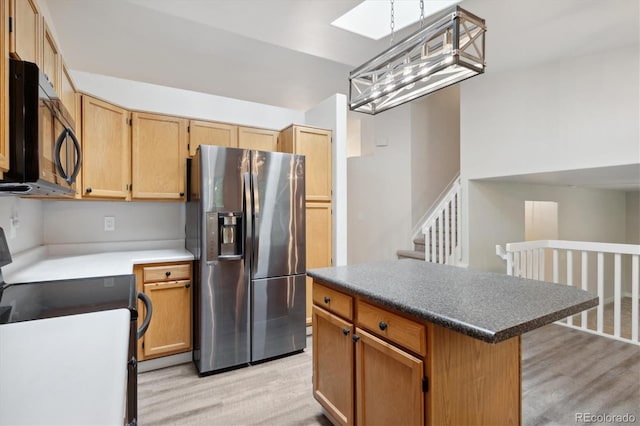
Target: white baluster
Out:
[458,224]
[634,298]
[570,277]
[617,293]
[555,265]
[509,263]
[585,284]
[516,264]
[541,274]
[446,232]
[433,242]
[536,265]
[600,292]
[529,263]
[441,237]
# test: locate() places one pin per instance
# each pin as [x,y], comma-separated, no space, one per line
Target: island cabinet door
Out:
[389,388]
[333,365]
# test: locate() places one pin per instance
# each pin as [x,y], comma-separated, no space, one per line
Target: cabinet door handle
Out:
[182,194]
[89,190]
[167,274]
[187,285]
[382,325]
[327,299]
[355,338]
[346,331]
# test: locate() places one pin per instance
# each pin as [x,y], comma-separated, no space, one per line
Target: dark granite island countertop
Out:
[488,306]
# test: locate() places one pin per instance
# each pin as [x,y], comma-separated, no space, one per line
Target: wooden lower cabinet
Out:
[388,383]
[333,365]
[169,287]
[376,366]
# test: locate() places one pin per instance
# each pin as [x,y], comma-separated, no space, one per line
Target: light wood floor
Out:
[564,372]
[608,318]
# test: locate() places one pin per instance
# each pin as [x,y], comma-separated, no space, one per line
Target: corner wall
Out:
[28,218]
[579,113]
[498,217]
[435,148]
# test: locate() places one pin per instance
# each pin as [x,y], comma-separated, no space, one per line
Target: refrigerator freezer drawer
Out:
[278,316]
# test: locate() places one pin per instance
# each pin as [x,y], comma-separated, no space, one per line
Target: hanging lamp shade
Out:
[447,49]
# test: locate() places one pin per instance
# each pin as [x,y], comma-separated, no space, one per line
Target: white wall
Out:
[168,100]
[579,113]
[498,217]
[435,147]
[574,114]
[27,214]
[379,186]
[633,217]
[83,221]
[332,114]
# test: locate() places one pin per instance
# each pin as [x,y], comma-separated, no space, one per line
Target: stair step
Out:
[410,254]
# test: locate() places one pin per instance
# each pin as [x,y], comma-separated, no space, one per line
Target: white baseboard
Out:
[165,361]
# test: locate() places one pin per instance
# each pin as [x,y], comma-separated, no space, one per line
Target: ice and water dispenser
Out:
[224,230]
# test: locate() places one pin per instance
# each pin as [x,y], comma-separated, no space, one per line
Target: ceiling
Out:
[286,53]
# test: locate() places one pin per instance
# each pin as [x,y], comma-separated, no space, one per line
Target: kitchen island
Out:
[411,342]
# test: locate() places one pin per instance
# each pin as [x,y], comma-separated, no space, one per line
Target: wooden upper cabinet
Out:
[106,148]
[51,58]
[4,87]
[67,94]
[159,152]
[25,37]
[260,139]
[315,145]
[211,133]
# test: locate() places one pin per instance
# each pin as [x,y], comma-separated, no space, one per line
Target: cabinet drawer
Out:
[399,330]
[166,273]
[333,301]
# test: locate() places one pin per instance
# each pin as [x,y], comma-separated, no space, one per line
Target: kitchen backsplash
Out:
[22,222]
[86,222]
[29,223]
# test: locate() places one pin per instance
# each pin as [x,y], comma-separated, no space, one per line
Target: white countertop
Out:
[43,266]
[50,375]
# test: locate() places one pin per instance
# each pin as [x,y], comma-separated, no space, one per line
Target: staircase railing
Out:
[442,228]
[609,270]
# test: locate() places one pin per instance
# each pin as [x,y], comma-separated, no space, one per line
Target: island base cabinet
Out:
[333,351]
[472,382]
[389,385]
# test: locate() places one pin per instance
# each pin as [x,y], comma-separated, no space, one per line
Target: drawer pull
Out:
[327,299]
[187,285]
[355,338]
[167,274]
[382,325]
[346,331]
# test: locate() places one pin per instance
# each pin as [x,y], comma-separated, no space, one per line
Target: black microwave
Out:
[44,153]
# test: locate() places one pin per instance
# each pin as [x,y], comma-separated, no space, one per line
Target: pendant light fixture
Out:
[445,50]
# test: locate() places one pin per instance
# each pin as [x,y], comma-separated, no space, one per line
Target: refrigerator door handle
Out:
[248,213]
[256,221]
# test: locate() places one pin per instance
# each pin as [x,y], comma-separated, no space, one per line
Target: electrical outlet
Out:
[109,223]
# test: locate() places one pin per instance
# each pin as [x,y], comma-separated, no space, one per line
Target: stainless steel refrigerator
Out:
[245,225]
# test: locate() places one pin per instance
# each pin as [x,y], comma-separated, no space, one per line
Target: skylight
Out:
[372,18]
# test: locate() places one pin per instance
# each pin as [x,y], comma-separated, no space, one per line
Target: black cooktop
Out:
[47,299]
